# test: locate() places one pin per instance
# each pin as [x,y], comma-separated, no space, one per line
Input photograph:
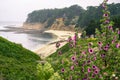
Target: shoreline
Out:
[49,48]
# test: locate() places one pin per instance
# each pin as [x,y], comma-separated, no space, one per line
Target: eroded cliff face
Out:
[61,26]
[57,25]
[34,26]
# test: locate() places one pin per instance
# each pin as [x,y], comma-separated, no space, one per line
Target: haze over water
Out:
[29,41]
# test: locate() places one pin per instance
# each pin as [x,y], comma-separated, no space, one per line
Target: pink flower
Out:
[113,41]
[105,48]
[62,70]
[81,56]
[93,75]
[118,45]
[73,58]
[89,70]
[72,68]
[94,67]
[75,37]
[90,50]
[105,15]
[88,61]
[110,28]
[107,21]
[118,31]
[95,72]
[100,43]
[69,39]
[83,52]
[95,58]
[108,45]
[103,5]
[76,62]
[74,43]
[102,55]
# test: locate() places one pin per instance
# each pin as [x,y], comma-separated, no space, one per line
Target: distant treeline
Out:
[50,15]
[88,19]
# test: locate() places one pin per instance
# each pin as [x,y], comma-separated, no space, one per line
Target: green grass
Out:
[16,62]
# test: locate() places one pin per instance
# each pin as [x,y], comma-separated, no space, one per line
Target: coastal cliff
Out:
[59,19]
[57,25]
[35,26]
[60,25]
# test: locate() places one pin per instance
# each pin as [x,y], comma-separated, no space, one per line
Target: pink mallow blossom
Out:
[89,70]
[96,72]
[73,58]
[62,70]
[72,67]
[93,75]
[105,15]
[118,45]
[69,39]
[113,41]
[107,21]
[100,43]
[118,31]
[105,48]
[102,55]
[75,37]
[94,67]
[83,52]
[95,58]
[103,5]
[90,50]
[110,28]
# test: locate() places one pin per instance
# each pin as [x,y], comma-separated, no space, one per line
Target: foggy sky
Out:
[17,10]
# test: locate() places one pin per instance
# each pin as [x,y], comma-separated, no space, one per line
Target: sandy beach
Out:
[50,47]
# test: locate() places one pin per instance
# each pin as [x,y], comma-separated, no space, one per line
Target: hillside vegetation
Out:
[50,15]
[16,62]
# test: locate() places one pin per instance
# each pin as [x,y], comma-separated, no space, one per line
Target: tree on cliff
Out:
[50,15]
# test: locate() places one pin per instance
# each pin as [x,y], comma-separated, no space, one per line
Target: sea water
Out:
[29,41]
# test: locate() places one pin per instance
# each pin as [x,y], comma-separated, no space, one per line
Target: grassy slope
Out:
[16,62]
